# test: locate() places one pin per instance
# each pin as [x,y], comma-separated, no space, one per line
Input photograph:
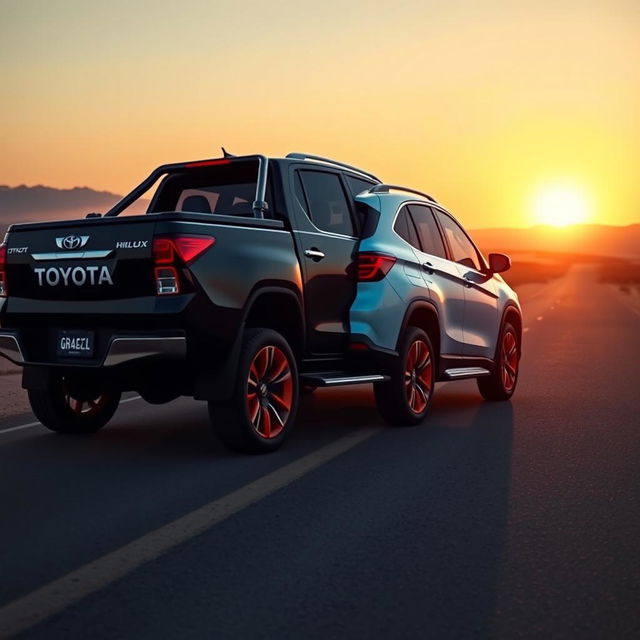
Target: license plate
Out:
[75,344]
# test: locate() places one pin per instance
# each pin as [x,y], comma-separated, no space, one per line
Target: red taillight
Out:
[206,163]
[186,248]
[374,266]
[3,270]
[190,247]
[170,252]
[163,250]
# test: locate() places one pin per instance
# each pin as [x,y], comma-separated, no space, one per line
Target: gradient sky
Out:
[487,105]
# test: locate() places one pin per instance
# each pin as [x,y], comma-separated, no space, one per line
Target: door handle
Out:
[314,253]
[428,267]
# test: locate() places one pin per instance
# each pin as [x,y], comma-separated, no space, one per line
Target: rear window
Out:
[358,185]
[226,190]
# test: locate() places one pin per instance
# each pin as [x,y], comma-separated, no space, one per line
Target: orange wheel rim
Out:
[418,376]
[509,360]
[82,406]
[269,395]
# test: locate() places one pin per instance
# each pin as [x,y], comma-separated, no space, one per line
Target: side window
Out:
[328,205]
[358,185]
[299,191]
[428,230]
[405,229]
[462,248]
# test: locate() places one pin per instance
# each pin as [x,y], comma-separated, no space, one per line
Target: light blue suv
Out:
[426,294]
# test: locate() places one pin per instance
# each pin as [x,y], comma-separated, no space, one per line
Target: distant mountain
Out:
[593,239]
[31,204]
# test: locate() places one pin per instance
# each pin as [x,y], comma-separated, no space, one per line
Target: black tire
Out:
[405,399]
[66,408]
[263,408]
[501,384]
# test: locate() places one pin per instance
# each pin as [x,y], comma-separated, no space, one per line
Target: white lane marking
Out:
[37,606]
[38,424]
[539,318]
[22,426]
[525,330]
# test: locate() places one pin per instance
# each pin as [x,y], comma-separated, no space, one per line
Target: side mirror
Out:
[499,262]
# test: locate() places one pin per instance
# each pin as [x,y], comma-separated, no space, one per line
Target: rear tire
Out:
[501,384]
[65,407]
[405,399]
[264,404]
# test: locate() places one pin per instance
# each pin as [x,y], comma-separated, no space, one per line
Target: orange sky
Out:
[490,106]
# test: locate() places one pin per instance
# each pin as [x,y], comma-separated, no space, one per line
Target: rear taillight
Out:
[3,270]
[374,266]
[172,252]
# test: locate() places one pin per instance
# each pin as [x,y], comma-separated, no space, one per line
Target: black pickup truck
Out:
[218,292]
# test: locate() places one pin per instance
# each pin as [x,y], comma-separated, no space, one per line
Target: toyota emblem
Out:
[71,242]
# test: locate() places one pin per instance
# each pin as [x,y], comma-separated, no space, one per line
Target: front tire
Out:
[501,384]
[264,404]
[66,406]
[406,398]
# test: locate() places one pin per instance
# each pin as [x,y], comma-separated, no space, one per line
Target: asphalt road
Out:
[500,520]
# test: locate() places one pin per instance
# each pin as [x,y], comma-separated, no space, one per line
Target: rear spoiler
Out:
[259,204]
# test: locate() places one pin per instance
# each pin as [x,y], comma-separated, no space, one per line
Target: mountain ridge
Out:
[24,203]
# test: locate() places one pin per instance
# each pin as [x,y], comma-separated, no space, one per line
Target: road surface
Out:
[501,520]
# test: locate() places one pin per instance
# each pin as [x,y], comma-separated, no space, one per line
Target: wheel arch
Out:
[280,309]
[512,314]
[423,314]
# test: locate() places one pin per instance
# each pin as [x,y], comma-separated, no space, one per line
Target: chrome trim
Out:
[345,380]
[73,255]
[466,372]
[10,348]
[125,349]
[324,234]
[312,253]
[393,230]
[333,163]
[386,188]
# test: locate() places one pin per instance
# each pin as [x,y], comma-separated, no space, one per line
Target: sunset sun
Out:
[561,205]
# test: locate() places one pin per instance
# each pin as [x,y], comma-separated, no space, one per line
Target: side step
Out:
[466,372]
[339,379]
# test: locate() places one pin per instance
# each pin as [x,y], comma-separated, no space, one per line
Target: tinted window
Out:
[327,202]
[428,231]
[358,185]
[298,190]
[461,247]
[405,229]
[225,189]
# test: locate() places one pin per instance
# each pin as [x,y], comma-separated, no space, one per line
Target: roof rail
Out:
[385,188]
[306,156]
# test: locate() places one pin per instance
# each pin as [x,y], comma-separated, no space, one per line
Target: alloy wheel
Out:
[418,376]
[269,394]
[509,360]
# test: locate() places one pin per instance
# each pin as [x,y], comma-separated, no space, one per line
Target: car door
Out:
[327,238]
[481,321]
[442,277]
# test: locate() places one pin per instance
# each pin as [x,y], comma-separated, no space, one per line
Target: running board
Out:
[466,372]
[339,379]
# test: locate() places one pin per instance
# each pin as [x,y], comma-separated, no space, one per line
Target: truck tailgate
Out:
[81,260]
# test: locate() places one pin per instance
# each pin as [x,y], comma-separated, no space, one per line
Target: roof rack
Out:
[385,188]
[306,156]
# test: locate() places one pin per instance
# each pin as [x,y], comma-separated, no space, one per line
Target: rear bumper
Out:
[121,348]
